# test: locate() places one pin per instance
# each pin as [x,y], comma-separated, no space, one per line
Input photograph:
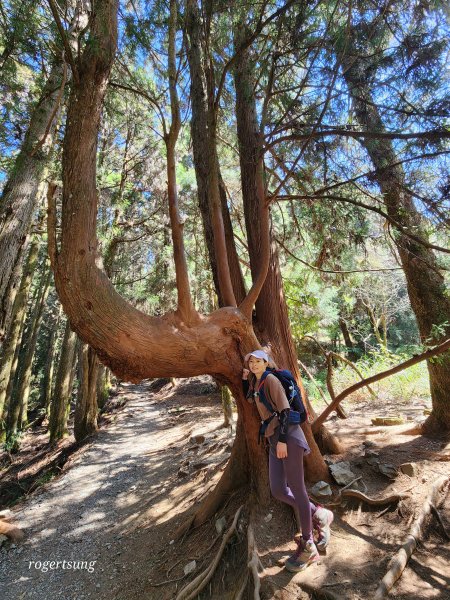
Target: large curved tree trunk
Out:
[426,286]
[135,345]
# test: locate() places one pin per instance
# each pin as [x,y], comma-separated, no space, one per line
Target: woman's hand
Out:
[281,450]
[245,373]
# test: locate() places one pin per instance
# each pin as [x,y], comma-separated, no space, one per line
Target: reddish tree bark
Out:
[271,315]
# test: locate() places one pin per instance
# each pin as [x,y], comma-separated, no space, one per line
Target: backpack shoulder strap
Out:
[262,395]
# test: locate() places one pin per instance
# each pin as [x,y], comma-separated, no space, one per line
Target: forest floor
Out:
[112,510]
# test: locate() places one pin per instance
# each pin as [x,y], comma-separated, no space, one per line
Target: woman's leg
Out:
[294,473]
[281,471]
[277,478]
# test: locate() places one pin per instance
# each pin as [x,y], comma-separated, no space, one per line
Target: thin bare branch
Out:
[397,225]
[440,349]
[65,41]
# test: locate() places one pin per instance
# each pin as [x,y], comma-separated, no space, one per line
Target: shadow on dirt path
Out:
[83,528]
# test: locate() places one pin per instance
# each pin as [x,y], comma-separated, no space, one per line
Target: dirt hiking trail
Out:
[112,513]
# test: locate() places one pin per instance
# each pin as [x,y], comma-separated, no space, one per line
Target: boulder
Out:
[221,524]
[342,473]
[388,421]
[321,490]
[190,567]
[409,469]
[388,470]
[197,439]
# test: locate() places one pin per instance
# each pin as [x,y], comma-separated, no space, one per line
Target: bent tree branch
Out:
[440,349]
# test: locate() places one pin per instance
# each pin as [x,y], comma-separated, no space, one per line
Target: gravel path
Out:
[78,544]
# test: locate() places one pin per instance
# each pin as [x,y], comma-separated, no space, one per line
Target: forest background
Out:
[332,116]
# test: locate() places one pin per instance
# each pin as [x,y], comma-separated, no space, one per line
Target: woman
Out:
[287,448]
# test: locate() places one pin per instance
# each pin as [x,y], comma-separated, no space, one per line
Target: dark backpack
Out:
[298,412]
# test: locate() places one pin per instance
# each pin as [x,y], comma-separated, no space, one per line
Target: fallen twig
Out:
[349,484]
[192,589]
[242,589]
[384,511]
[254,562]
[212,544]
[399,560]
[161,583]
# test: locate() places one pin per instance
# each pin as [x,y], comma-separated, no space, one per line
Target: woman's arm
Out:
[245,383]
[277,397]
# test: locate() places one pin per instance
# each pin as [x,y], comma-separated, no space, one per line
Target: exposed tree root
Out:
[438,517]
[319,593]
[343,493]
[399,560]
[328,443]
[375,501]
[233,477]
[192,589]
[254,562]
[14,533]
[240,593]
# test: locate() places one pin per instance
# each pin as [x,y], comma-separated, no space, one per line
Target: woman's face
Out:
[256,365]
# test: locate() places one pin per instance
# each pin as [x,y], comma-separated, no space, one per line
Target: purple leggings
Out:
[287,483]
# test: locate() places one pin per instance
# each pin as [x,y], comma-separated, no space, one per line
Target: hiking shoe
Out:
[305,554]
[322,520]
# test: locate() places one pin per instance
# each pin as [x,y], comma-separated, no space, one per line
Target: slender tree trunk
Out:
[47,384]
[210,186]
[349,344]
[21,190]
[18,404]
[24,379]
[103,385]
[59,408]
[17,413]
[86,409]
[381,339]
[6,312]
[227,405]
[8,362]
[272,321]
[185,307]
[426,286]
